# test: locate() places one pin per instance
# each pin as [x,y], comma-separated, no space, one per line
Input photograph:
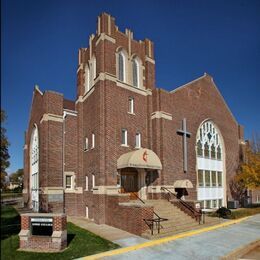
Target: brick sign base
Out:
[43,232]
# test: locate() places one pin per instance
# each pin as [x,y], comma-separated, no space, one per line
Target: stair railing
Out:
[155,222]
[183,205]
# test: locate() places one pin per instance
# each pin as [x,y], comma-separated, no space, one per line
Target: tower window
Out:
[121,66]
[92,71]
[135,73]
[86,78]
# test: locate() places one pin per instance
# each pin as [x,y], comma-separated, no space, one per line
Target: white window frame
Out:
[87,212]
[131,105]
[124,134]
[136,63]
[92,69]
[86,144]
[71,179]
[123,79]
[93,180]
[138,140]
[86,183]
[92,141]
[87,78]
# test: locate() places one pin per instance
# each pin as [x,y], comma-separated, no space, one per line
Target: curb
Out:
[239,252]
[161,240]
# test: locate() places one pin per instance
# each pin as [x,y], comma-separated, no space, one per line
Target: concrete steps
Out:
[178,221]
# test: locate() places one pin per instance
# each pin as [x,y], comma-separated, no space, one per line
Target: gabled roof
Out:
[189,84]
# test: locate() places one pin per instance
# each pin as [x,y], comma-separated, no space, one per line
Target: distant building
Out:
[124,135]
[13,185]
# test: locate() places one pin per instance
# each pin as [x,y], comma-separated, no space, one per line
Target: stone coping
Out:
[194,201]
[44,214]
[119,195]
[134,204]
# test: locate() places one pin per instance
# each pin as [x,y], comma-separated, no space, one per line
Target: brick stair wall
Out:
[178,221]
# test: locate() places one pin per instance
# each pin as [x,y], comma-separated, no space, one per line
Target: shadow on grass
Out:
[10,222]
[70,237]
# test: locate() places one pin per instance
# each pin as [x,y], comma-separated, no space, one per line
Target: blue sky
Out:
[40,40]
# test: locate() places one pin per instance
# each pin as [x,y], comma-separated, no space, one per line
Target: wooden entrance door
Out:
[129,182]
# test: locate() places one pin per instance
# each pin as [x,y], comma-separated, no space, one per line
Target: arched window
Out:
[92,70]
[87,79]
[136,73]
[34,169]
[209,147]
[121,66]
[208,139]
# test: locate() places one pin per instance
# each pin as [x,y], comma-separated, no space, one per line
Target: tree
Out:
[17,177]
[4,154]
[249,169]
[248,173]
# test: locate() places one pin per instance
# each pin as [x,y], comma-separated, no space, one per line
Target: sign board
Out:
[41,226]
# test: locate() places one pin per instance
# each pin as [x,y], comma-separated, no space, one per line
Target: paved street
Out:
[209,245]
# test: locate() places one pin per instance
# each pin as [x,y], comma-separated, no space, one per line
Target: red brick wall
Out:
[196,102]
[129,218]
[50,146]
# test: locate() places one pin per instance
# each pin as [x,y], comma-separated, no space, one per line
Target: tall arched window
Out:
[87,79]
[34,169]
[92,70]
[136,73]
[121,66]
[210,166]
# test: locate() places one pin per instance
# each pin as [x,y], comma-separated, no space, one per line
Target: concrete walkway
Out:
[113,234]
[213,244]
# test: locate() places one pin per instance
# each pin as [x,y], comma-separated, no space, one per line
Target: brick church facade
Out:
[123,135]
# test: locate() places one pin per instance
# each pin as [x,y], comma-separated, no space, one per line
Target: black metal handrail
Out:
[194,212]
[154,222]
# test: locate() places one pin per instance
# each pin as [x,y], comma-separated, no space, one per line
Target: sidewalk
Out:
[113,234]
[211,244]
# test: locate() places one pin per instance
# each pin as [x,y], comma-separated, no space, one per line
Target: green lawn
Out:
[81,243]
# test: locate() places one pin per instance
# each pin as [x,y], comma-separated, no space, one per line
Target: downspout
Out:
[63,157]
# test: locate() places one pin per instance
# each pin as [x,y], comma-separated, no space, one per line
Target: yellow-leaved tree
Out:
[249,170]
[248,173]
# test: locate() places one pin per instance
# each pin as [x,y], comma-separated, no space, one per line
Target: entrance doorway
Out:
[129,182]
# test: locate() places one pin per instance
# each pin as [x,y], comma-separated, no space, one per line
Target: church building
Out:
[124,139]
